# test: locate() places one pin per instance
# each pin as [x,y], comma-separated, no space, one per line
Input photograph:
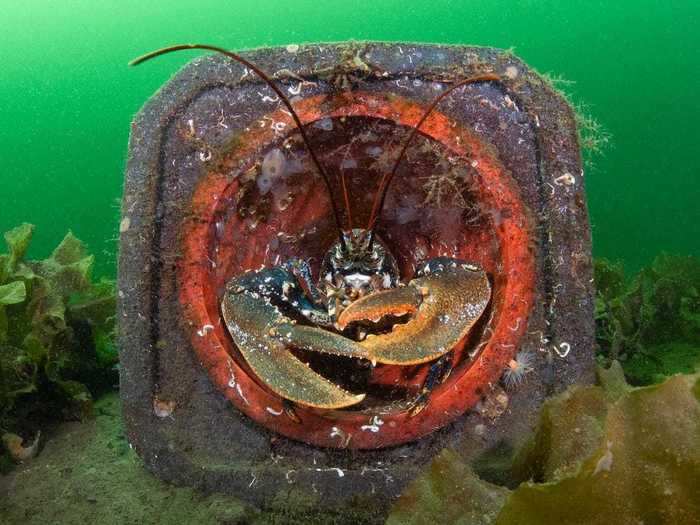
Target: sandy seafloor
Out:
[86,473]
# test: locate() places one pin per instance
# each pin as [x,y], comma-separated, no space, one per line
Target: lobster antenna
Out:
[346,198]
[277,90]
[387,178]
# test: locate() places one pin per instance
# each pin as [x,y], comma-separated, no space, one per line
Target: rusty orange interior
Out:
[235,226]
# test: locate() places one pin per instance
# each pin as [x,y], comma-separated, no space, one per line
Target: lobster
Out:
[359,307]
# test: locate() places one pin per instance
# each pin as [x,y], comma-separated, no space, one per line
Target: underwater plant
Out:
[56,336]
[651,324]
[600,454]
[594,139]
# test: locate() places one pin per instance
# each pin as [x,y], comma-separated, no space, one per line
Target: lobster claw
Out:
[263,336]
[444,301]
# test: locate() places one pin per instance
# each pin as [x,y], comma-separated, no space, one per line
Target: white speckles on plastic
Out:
[240,393]
[325,124]
[163,408]
[511,72]
[339,471]
[374,425]
[205,330]
[563,349]
[567,179]
[124,224]
[273,167]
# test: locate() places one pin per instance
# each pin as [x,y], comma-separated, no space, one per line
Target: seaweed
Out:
[609,453]
[449,492]
[652,323]
[57,346]
[594,139]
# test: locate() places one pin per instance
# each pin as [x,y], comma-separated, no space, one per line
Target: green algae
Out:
[56,334]
[600,454]
[593,138]
[449,492]
[651,323]
[653,364]
[297,507]
[645,468]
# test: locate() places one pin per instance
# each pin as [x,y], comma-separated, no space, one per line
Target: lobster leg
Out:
[300,268]
[445,299]
[264,336]
[439,371]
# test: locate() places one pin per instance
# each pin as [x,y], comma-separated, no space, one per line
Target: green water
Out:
[67,96]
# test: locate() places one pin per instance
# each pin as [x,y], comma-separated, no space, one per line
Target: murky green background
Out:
[67,96]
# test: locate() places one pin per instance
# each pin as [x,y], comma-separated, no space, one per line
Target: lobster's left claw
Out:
[444,302]
[264,336]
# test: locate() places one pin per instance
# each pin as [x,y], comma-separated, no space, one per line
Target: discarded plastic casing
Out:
[193,216]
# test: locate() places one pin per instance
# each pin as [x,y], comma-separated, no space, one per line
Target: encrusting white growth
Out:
[517,368]
[273,167]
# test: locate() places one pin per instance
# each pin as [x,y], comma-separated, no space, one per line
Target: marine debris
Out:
[469,187]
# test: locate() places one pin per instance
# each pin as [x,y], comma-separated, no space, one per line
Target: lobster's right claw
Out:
[263,337]
[444,301]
